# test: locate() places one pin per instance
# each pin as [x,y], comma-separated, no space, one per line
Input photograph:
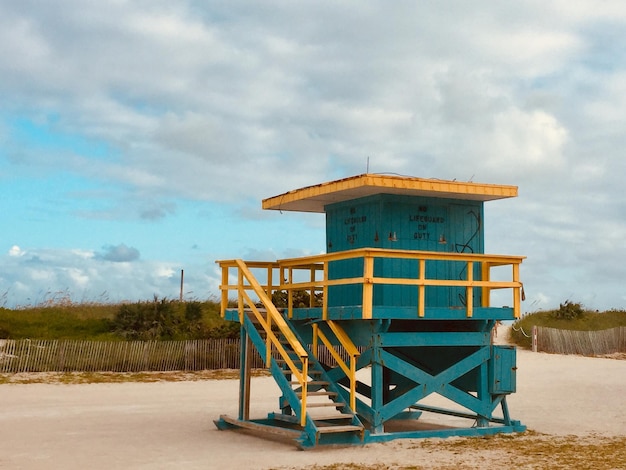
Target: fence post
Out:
[534,338]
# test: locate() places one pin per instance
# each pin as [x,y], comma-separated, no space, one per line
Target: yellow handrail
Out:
[351,349]
[264,293]
[273,317]
[485,261]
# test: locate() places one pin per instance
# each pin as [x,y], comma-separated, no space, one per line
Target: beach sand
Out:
[170,424]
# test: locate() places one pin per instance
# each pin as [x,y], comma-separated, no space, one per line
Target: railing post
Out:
[240,289]
[268,342]
[304,383]
[485,274]
[312,291]
[469,290]
[353,383]
[270,287]
[368,286]
[517,307]
[325,292]
[421,288]
[290,293]
[224,287]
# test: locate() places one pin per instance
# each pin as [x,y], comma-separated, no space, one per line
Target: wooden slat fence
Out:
[128,356]
[585,343]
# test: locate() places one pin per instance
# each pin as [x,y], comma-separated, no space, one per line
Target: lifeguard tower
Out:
[396,317]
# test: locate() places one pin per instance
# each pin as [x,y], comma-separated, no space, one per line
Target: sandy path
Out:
[169,424]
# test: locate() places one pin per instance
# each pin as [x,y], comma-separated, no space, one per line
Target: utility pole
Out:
[182,276]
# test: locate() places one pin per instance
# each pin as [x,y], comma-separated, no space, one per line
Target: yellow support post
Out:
[368,286]
[353,383]
[304,384]
[312,291]
[325,293]
[421,289]
[224,288]
[290,294]
[517,307]
[486,277]
[270,287]
[469,296]
[268,341]
[240,292]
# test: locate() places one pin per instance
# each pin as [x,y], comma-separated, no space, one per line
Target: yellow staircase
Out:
[313,408]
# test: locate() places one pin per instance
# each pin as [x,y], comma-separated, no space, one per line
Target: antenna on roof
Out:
[367,168]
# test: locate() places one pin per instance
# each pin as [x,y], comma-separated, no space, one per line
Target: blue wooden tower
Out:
[388,330]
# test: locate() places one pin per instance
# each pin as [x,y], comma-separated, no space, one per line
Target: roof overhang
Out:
[315,198]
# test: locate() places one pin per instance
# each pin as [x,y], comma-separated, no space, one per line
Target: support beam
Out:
[244,375]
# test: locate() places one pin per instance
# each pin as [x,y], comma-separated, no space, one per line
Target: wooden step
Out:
[320,383]
[342,428]
[311,372]
[331,417]
[317,394]
[296,361]
[326,404]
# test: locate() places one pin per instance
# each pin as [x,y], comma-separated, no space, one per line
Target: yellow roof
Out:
[314,198]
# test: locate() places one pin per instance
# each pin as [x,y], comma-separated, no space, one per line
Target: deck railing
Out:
[311,274]
[271,316]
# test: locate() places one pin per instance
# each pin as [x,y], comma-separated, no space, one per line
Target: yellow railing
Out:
[288,270]
[247,281]
[320,263]
[271,316]
[350,348]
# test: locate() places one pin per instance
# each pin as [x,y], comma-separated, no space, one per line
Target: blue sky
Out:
[139,138]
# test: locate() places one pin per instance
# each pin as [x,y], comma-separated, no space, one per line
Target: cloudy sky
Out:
[139,138]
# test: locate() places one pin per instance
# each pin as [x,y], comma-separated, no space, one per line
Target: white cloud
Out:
[16,251]
[232,103]
[46,274]
[525,142]
[79,278]
[164,271]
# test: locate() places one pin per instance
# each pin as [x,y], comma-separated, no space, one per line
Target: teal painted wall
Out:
[405,223]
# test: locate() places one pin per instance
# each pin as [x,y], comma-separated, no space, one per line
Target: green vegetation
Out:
[300,298]
[569,316]
[159,319]
[171,320]
[63,321]
[164,319]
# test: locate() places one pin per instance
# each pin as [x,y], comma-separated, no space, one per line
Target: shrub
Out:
[163,319]
[193,311]
[569,311]
[145,321]
[300,299]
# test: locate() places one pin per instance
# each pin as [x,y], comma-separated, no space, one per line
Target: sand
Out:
[170,424]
